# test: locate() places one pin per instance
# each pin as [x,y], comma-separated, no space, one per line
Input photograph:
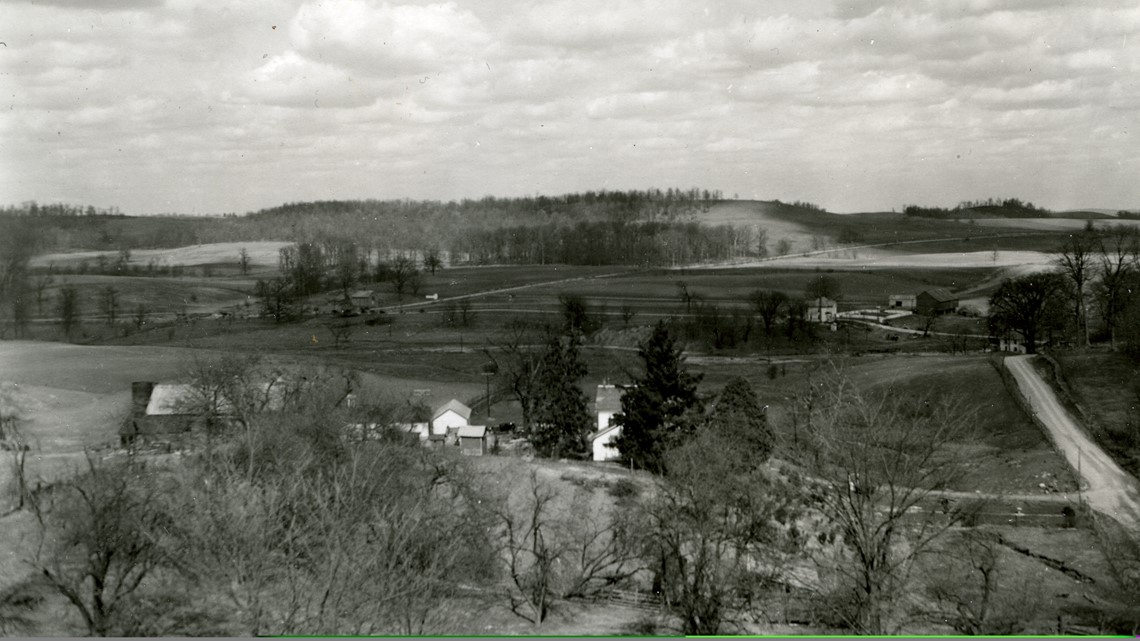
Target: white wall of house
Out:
[603,445]
[604,419]
[446,420]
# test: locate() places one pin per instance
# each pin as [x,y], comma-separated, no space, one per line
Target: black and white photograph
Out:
[499,318]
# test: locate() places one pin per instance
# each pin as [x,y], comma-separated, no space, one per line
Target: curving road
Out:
[1107,488]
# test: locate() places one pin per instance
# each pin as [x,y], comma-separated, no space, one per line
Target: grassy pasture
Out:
[1007,451]
[1103,384]
[158,295]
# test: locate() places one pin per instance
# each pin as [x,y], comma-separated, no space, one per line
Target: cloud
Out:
[96,5]
[379,38]
[292,81]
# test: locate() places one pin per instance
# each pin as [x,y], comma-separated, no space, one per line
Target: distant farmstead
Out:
[821,310]
[936,301]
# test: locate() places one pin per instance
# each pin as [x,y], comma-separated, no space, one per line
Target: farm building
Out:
[452,414]
[602,443]
[168,413]
[902,301]
[473,440]
[821,310]
[177,413]
[362,300]
[607,402]
[935,301]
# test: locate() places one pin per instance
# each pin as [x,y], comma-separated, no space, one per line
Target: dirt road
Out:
[1107,488]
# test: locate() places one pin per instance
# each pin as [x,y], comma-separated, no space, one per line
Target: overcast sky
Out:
[199,106]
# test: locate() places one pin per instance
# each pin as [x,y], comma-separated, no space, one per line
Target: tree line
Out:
[1009,207]
[1089,296]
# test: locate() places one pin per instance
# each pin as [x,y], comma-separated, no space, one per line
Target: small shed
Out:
[822,310]
[362,300]
[473,440]
[936,301]
[902,301]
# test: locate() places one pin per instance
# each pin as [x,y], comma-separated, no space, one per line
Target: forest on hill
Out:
[647,227]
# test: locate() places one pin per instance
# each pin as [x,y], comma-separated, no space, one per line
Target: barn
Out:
[936,301]
[170,413]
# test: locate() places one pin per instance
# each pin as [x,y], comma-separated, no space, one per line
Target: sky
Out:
[205,107]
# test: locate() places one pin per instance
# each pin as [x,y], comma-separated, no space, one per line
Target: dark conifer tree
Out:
[562,421]
[661,407]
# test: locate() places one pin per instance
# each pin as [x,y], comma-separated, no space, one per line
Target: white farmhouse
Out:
[452,415]
[821,310]
[606,404]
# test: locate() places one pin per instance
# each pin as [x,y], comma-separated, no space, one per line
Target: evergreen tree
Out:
[562,421]
[658,411]
[739,418]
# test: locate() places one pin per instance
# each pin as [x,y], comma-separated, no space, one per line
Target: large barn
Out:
[936,301]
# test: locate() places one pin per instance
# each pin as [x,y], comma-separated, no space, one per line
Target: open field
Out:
[1054,224]
[762,215]
[261,254]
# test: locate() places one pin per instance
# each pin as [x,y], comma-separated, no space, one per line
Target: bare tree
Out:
[243,261]
[877,457]
[341,332]
[769,305]
[717,533]
[548,558]
[519,362]
[41,285]
[970,589]
[1117,253]
[403,272]
[140,316]
[109,303]
[432,260]
[1076,258]
[108,537]
[68,310]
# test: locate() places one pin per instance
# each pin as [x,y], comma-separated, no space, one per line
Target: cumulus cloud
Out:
[380,38]
[853,104]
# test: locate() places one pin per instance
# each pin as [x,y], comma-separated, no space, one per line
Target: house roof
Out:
[473,431]
[608,398]
[170,399]
[453,406]
[600,433]
[939,294]
[821,302]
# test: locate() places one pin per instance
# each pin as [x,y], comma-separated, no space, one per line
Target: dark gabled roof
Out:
[939,294]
